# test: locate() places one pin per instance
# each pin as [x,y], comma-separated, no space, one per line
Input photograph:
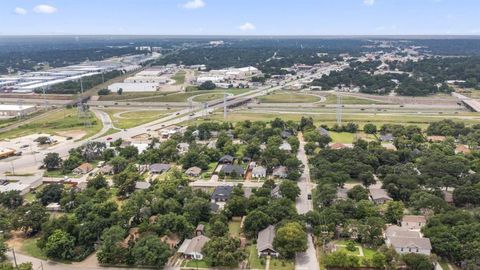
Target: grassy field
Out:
[179,77]
[329,118]
[56,121]
[128,119]
[234,228]
[195,263]
[128,96]
[207,97]
[332,99]
[342,137]
[29,247]
[288,97]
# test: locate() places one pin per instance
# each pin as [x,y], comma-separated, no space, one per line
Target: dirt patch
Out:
[75,134]
[16,241]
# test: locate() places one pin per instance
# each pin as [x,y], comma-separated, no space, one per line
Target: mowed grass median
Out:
[129,119]
[56,121]
[288,97]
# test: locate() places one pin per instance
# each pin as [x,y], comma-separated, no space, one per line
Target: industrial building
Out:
[7,110]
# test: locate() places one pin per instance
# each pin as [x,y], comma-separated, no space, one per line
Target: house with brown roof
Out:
[436,138]
[462,149]
[83,169]
[412,222]
[337,146]
[265,242]
[280,172]
[193,172]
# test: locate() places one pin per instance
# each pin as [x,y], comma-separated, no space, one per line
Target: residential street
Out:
[305,260]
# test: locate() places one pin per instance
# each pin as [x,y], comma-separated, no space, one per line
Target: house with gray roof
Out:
[404,240]
[192,248]
[280,172]
[259,172]
[158,168]
[323,132]
[227,159]
[221,194]
[285,146]
[265,242]
[387,137]
[228,169]
[414,222]
[379,195]
[193,171]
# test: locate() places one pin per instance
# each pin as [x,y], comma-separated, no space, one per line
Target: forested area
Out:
[416,176]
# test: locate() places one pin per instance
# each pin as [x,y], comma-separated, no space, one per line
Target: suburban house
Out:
[106,169]
[193,171]
[285,146]
[259,172]
[323,132]
[53,207]
[142,185]
[447,196]
[83,169]
[337,146]
[227,159]
[275,193]
[286,134]
[436,138]
[192,248]
[158,168]
[404,240]
[342,194]
[414,222]
[387,137]
[183,148]
[265,242]
[379,195]
[228,169]
[411,245]
[463,149]
[200,230]
[280,172]
[221,194]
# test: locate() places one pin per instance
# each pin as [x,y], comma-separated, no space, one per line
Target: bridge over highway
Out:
[470,103]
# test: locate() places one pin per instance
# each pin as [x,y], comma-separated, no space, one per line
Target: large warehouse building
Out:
[8,110]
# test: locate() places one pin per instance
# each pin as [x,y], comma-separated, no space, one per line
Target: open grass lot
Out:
[57,121]
[288,97]
[128,96]
[342,137]
[179,77]
[195,263]
[328,117]
[29,247]
[128,119]
[234,228]
[332,99]
[207,97]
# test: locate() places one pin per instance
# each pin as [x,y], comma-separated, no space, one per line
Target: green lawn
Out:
[342,137]
[234,228]
[179,77]
[281,264]
[332,99]
[359,118]
[207,97]
[259,263]
[288,97]
[57,121]
[196,263]
[58,174]
[29,247]
[129,119]
[127,96]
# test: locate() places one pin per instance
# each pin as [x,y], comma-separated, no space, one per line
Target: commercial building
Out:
[134,87]
[7,110]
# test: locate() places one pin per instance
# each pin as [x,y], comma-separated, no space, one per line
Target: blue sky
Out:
[240,17]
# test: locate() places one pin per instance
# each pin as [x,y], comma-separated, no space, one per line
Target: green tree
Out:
[60,245]
[11,199]
[417,261]
[394,212]
[291,238]
[255,221]
[149,251]
[111,251]
[370,128]
[289,189]
[50,193]
[224,251]
[97,182]
[208,85]
[52,161]
[30,217]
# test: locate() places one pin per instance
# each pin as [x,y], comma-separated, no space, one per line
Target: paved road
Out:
[306,260]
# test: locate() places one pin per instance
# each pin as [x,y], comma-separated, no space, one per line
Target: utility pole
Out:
[15,258]
[339,109]
[81,85]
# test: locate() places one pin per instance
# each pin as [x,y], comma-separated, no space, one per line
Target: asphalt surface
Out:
[305,260]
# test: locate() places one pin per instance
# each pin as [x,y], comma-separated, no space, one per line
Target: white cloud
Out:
[369,2]
[45,9]
[20,11]
[194,4]
[247,26]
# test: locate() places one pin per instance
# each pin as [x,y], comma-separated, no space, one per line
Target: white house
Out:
[259,172]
